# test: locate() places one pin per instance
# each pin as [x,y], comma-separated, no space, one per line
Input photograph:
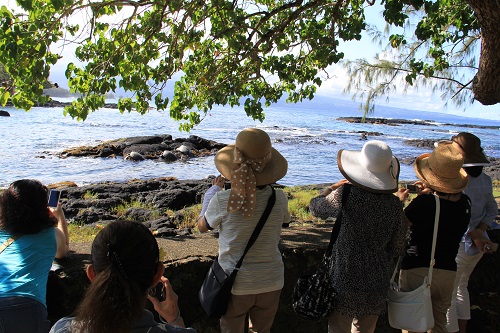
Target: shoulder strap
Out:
[259,226]
[434,236]
[336,227]
[7,243]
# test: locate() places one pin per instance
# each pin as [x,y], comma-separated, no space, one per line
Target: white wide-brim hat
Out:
[374,168]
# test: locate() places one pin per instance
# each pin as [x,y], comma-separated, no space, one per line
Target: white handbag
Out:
[412,310]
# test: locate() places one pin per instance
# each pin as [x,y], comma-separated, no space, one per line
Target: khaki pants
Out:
[460,304]
[339,323]
[261,309]
[441,291]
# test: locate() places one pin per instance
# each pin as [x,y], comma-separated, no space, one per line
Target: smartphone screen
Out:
[54,198]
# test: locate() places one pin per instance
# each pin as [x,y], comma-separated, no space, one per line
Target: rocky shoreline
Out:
[397,122]
[167,149]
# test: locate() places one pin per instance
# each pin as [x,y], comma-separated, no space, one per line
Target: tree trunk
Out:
[486,83]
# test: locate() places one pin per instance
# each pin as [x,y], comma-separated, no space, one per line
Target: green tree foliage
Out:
[437,47]
[217,52]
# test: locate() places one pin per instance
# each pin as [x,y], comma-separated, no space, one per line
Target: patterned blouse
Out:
[373,230]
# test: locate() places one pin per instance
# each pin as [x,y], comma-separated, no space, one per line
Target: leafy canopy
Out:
[217,52]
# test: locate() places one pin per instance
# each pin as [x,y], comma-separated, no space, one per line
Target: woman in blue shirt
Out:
[31,235]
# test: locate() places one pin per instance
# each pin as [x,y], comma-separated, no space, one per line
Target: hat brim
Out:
[274,170]
[349,166]
[473,155]
[450,185]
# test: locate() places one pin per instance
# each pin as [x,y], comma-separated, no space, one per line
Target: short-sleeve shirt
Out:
[453,221]
[145,325]
[262,269]
[25,264]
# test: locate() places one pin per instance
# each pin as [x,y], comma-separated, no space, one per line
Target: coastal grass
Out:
[89,195]
[80,233]
[298,203]
[496,188]
[121,210]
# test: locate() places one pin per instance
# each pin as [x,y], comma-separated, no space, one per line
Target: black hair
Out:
[125,258]
[23,208]
[474,171]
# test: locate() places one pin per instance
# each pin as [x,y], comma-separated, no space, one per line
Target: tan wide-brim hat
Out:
[254,144]
[374,168]
[442,169]
[471,146]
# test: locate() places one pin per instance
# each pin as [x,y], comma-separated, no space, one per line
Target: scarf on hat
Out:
[243,182]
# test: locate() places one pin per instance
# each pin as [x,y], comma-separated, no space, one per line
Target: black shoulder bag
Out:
[215,291]
[313,296]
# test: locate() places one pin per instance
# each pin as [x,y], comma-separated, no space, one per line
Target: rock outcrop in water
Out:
[162,147]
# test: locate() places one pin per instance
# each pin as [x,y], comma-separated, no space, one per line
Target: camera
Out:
[227,185]
[54,198]
[158,291]
[412,188]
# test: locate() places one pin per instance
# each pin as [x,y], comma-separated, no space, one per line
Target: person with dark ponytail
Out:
[31,236]
[125,266]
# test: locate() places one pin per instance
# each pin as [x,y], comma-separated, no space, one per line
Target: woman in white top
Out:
[252,165]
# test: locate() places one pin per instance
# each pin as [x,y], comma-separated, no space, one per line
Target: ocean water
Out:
[308,135]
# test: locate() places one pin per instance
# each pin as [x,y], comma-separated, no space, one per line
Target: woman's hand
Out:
[422,186]
[168,309]
[61,230]
[403,194]
[58,212]
[333,187]
[219,181]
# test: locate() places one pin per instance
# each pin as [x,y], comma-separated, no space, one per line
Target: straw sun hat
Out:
[374,168]
[442,169]
[249,162]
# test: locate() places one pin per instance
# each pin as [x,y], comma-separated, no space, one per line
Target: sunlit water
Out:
[307,134]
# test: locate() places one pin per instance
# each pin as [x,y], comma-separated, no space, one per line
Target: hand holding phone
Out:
[412,188]
[158,291]
[54,198]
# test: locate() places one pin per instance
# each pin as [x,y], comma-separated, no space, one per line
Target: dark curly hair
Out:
[23,208]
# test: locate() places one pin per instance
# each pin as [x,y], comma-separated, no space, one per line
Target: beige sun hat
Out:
[471,146]
[249,162]
[442,169]
[374,168]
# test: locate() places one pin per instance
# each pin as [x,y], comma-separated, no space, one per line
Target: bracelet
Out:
[173,322]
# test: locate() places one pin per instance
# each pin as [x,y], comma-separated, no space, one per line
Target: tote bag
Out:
[313,296]
[412,310]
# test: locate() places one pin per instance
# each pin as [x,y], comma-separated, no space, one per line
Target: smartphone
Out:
[412,188]
[227,185]
[158,291]
[54,198]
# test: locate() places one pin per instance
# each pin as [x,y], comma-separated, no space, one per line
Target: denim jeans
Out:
[23,314]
